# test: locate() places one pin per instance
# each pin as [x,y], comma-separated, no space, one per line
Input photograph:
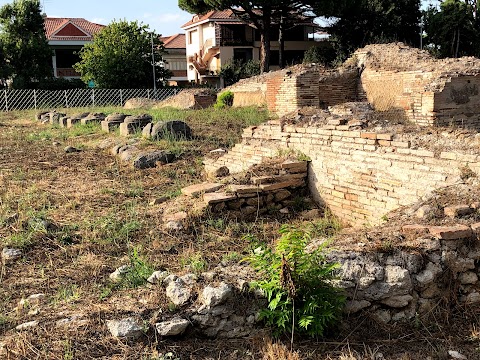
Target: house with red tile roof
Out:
[66,37]
[220,37]
[175,58]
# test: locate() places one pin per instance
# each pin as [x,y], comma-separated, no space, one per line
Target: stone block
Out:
[451,232]
[283,185]
[73,121]
[244,189]
[414,229]
[109,126]
[197,189]
[295,166]
[215,198]
[457,211]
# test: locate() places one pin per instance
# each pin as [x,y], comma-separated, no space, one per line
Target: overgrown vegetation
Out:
[298,285]
[237,70]
[225,99]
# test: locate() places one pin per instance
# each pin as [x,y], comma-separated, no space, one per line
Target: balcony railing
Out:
[235,42]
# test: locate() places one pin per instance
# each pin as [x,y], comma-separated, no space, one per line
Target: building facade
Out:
[66,37]
[175,59]
[219,37]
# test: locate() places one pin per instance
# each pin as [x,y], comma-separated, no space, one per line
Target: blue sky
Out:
[163,16]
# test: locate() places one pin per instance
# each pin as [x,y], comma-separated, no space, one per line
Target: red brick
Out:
[367,135]
[451,232]
[414,228]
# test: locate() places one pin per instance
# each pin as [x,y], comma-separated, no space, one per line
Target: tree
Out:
[120,56]
[27,57]
[362,22]
[454,29]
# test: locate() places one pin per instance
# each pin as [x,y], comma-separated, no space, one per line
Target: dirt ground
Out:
[94,213]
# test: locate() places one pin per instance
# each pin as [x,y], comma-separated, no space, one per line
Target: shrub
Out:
[236,70]
[225,99]
[319,55]
[297,284]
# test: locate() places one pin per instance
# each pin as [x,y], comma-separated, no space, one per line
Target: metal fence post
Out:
[35,98]
[121,98]
[148,93]
[66,99]
[93,97]
[6,100]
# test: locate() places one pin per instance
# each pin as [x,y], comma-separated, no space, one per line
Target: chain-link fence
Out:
[47,99]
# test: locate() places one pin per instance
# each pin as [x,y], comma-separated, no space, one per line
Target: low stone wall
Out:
[359,175]
[434,266]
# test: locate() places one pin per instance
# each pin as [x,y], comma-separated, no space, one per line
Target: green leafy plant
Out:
[138,272]
[225,99]
[297,284]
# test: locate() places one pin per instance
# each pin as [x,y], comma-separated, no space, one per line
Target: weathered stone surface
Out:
[71,149]
[243,189]
[248,210]
[424,212]
[176,129]
[27,325]
[115,117]
[119,273]
[267,179]
[451,232]
[398,301]
[147,130]
[476,228]
[467,278]
[149,160]
[295,166]
[213,296]
[219,172]
[71,121]
[125,328]
[204,188]
[429,275]
[382,316]
[108,126]
[176,326]
[11,254]
[178,292]
[215,198]
[473,298]
[283,185]
[414,229]
[354,306]
[457,211]
[282,195]
[157,277]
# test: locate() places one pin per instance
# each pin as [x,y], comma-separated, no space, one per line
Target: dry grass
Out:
[98,216]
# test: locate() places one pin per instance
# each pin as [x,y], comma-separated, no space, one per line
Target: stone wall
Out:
[394,78]
[359,175]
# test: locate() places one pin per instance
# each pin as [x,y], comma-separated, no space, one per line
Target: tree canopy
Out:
[120,56]
[25,56]
[454,29]
[362,22]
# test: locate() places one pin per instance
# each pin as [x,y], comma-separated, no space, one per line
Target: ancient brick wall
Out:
[359,175]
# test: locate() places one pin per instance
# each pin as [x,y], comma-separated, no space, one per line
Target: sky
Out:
[163,16]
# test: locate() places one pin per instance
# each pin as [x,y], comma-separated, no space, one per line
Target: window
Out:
[192,37]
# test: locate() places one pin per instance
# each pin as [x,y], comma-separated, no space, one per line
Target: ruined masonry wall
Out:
[360,176]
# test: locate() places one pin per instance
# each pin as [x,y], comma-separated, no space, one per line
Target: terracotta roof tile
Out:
[67,29]
[176,41]
[222,15]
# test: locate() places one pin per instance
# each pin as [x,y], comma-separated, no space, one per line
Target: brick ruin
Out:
[394,78]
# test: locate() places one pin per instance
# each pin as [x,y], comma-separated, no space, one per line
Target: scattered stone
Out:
[354,306]
[169,279]
[32,300]
[284,211]
[119,273]
[11,254]
[158,201]
[174,225]
[218,152]
[189,279]
[129,328]
[382,316]
[71,149]
[215,198]
[456,355]
[134,123]
[157,277]
[175,129]
[150,160]
[219,172]
[398,301]
[213,296]
[27,325]
[457,211]
[424,212]
[473,298]
[74,321]
[178,292]
[414,229]
[429,275]
[468,278]
[176,326]
[147,131]
[311,214]
[197,189]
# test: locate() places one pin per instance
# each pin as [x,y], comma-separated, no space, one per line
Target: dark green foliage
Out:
[59,84]
[363,22]
[120,56]
[323,55]
[225,99]
[298,285]
[25,56]
[233,72]
[453,30]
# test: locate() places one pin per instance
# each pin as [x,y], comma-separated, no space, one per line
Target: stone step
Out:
[197,189]
[218,197]
[283,185]
[295,166]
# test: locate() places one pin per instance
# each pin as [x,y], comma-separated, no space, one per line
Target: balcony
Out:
[235,42]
